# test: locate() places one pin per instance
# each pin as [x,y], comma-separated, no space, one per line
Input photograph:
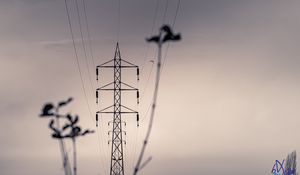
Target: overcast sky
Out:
[229,96]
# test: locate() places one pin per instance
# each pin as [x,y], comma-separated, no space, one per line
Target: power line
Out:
[77,58]
[88,33]
[173,24]
[149,74]
[159,40]
[140,158]
[147,81]
[152,29]
[177,9]
[165,12]
[78,67]
[164,17]
[158,74]
[83,43]
[93,61]
[165,56]
[163,21]
[119,19]
[101,160]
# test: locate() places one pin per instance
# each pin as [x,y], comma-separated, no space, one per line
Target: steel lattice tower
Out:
[117,163]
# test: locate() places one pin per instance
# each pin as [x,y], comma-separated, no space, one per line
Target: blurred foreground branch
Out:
[69,130]
[165,35]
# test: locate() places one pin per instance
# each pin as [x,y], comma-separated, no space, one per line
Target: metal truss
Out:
[117,109]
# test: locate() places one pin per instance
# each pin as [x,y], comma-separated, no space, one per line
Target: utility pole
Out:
[117,109]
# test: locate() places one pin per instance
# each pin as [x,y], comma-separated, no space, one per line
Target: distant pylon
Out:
[117,109]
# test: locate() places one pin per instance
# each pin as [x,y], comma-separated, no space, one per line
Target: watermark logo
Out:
[288,167]
[278,168]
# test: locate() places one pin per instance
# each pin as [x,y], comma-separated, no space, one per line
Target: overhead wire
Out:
[163,21]
[83,43]
[147,50]
[152,29]
[101,160]
[77,57]
[165,56]
[88,32]
[164,17]
[92,55]
[165,12]
[101,146]
[149,75]
[176,13]
[173,24]
[119,20]
[149,129]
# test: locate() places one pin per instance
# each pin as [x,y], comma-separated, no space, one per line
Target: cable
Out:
[147,82]
[149,129]
[119,19]
[77,59]
[153,104]
[93,61]
[100,148]
[132,151]
[158,74]
[149,74]
[164,17]
[83,43]
[78,64]
[145,116]
[165,56]
[173,24]
[88,33]
[165,12]
[152,29]
[177,9]
[153,23]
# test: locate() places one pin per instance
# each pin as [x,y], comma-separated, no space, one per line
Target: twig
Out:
[74,157]
[64,154]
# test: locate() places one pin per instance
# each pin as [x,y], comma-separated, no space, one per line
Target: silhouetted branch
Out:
[145,163]
[63,103]
[69,130]
[47,110]
[159,40]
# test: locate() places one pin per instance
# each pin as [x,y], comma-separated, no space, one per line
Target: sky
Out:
[228,98]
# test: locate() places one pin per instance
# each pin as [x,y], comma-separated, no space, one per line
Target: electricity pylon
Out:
[117,109]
